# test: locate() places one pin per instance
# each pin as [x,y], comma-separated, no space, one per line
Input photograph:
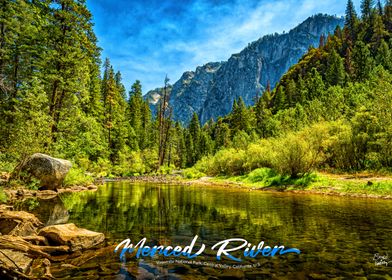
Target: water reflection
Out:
[338,237]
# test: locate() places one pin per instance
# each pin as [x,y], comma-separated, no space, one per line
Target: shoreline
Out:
[226,183]
[14,194]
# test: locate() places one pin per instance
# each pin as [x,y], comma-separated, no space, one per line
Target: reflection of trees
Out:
[177,213]
[328,230]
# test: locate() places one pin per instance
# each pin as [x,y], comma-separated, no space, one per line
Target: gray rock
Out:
[48,170]
[211,90]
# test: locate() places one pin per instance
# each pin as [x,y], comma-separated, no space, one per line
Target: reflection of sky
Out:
[146,40]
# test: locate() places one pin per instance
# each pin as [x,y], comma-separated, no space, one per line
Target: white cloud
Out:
[221,31]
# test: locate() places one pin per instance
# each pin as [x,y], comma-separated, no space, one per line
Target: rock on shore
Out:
[27,249]
[48,170]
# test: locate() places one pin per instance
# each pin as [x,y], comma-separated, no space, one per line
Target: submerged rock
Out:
[69,234]
[48,170]
[18,223]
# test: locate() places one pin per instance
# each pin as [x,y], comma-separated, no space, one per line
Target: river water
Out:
[339,237]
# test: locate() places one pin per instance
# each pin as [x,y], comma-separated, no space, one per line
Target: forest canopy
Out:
[332,110]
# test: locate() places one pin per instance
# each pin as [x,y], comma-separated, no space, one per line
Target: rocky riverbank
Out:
[19,193]
[29,250]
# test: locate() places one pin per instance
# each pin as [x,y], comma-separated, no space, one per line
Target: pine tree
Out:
[240,117]
[379,31]
[222,135]
[280,99]
[146,135]
[388,15]
[362,61]
[135,107]
[351,21]
[206,144]
[115,121]
[367,10]
[384,56]
[291,93]
[335,74]
[195,133]
[315,84]
[380,9]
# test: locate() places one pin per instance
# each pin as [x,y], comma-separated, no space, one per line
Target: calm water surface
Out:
[338,237]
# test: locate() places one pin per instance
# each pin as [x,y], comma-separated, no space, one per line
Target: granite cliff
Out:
[211,89]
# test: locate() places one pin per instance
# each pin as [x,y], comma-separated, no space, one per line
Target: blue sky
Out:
[146,40]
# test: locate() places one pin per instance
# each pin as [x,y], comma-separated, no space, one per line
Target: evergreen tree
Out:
[351,21]
[146,135]
[384,56]
[280,99]
[388,15]
[206,144]
[379,32]
[291,93]
[195,133]
[222,135]
[315,84]
[70,48]
[335,74]
[366,10]
[362,61]
[135,107]
[115,121]
[240,116]
[380,9]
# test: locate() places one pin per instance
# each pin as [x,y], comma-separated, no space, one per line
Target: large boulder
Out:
[72,236]
[48,170]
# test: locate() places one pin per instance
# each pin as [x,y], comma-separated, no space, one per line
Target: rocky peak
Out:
[211,89]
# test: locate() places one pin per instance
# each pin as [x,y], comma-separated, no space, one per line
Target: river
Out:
[337,236]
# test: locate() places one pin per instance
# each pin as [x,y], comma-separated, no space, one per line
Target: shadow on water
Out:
[338,237]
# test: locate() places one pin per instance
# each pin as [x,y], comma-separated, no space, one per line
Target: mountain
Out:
[211,89]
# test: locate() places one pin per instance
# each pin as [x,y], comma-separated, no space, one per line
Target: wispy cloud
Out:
[146,40]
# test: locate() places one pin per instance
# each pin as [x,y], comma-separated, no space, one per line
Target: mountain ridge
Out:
[211,89]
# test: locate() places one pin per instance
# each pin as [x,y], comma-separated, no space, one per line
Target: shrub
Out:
[259,155]
[77,176]
[193,173]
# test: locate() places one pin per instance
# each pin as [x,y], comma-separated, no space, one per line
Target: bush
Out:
[228,162]
[259,155]
[166,170]
[78,177]
[192,173]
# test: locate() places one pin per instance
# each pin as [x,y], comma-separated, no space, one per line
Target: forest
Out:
[332,111]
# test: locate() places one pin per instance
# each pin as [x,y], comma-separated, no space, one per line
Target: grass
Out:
[361,184]
[268,178]
[368,184]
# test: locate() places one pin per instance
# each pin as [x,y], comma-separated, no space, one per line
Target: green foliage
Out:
[77,177]
[266,177]
[166,169]
[331,110]
[192,173]
[3,196]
